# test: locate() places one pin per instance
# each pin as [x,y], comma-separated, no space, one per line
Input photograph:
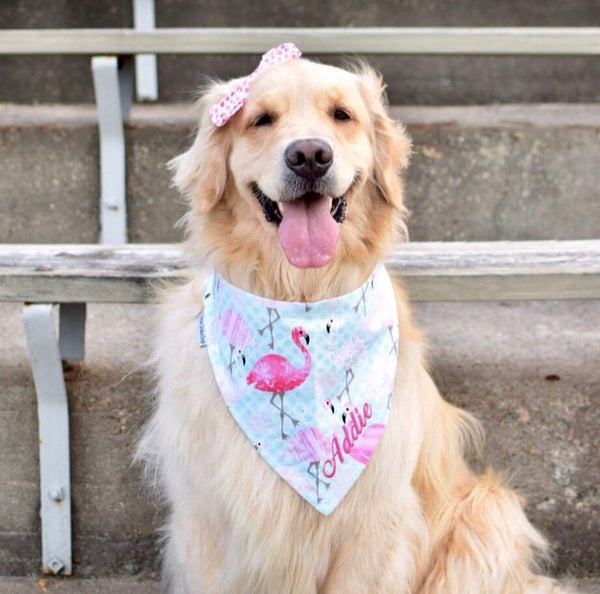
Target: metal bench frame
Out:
[558,270]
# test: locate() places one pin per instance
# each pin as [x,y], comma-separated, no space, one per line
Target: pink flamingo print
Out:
[273,318]
[346,357]
[310,445]
[274,373]
[234,328]
[363,297]
[385,314]
[363,448]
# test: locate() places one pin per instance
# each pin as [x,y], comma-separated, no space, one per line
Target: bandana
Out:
[309,384]
[222,112]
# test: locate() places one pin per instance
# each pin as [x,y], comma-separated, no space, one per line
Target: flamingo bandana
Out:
[310,384]
[222,112]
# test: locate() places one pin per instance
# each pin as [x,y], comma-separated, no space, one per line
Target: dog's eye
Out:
[341,114]
[265,119]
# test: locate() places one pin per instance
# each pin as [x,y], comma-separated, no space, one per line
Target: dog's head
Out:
[304,176]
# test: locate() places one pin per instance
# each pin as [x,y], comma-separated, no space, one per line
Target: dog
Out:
[295,190]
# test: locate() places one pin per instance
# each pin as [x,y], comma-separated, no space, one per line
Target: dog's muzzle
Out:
[273,215]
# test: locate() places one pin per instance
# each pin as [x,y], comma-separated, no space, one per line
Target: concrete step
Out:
[430,80]
[129,586]
[477,173]
[529,371]
[10,585]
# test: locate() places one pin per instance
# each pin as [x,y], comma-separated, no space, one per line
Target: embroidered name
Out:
[352,431]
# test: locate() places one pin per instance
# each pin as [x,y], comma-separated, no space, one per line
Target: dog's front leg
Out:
[359,573]
[191,563]
[378,554]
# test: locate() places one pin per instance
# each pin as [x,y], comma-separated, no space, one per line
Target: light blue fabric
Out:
[309,384]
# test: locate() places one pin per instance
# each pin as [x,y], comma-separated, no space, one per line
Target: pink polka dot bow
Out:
[222,112]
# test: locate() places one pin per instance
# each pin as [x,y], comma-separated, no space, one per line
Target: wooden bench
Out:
[372,40]
[74,275]
[436,271]
[71,276]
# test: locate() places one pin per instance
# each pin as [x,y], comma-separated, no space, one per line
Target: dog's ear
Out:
[201,172]
[392,144]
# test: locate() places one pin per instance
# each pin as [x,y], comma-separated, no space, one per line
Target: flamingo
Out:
[273,318]
[346,357]
[274,373]
[385,314]
[312,445]
[309,444]
[363,448]
[363,297]
[234,328]
[381,377]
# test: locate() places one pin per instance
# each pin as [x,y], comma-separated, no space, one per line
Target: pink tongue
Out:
[308,234]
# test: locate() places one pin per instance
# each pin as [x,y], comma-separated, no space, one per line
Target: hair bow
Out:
[222,112]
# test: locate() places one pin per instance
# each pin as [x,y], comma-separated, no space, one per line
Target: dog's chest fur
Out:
[253,509]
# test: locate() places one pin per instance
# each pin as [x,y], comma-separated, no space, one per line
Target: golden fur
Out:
[418,520]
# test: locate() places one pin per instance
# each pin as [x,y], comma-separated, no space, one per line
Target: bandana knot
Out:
[222,112]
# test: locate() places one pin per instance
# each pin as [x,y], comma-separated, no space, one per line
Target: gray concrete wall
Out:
[528,371]
[412,80]
[476,174]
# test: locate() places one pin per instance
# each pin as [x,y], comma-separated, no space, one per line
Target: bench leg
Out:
[53,417]
[112,88]
[146,83]
[71,331]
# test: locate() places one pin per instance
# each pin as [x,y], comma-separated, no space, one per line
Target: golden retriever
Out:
[418,519]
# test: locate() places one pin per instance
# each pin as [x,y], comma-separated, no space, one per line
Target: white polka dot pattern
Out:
[222,112]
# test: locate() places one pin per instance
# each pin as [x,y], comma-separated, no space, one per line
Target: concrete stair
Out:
[528,371]
[80,586]
[526,169]
[133,586]
[477,173]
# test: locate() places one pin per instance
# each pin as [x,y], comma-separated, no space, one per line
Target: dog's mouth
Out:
[273,214]
[308,226]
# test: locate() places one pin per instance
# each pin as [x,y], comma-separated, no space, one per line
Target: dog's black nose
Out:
[309,158]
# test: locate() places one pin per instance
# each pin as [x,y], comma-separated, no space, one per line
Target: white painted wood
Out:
[146,78]
[53,416]
[112,89]
[374,40]
[473,271]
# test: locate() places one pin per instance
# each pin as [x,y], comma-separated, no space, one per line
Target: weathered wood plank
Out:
[491,271]
[473,271]
[393,40]
[86,273]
